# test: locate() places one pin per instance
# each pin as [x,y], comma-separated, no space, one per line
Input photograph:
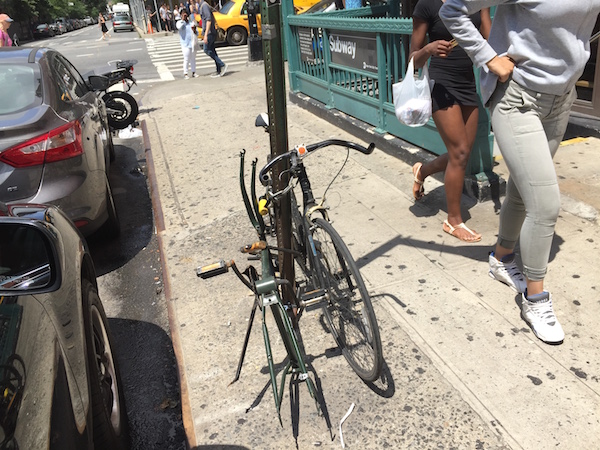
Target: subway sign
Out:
[358,50]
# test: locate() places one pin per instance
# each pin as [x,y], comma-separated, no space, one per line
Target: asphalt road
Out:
[128,269]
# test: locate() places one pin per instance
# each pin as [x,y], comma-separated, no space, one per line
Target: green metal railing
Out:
[366,92]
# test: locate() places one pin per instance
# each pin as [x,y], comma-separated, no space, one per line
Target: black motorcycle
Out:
[121,108]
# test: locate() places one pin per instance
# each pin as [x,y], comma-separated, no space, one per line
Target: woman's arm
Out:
[455,15]
[486,23]
[421,51]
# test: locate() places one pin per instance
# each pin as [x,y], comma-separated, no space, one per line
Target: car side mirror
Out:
[98,82]
[28,262]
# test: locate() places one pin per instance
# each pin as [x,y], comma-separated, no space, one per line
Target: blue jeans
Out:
[528,127]
[209,49]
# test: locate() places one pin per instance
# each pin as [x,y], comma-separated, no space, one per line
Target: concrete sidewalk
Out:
[463,370]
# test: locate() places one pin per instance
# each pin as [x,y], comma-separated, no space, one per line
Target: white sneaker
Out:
[195,75]
[507,272]
[223,70]
[215,75]
[537,311]
[185,77]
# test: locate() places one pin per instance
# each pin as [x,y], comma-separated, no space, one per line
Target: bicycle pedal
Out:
[212,270]
[313,299]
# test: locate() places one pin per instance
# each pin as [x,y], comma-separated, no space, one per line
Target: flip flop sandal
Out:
[416,170]
[450,230]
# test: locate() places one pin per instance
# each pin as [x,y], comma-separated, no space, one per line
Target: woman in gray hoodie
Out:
[535,53]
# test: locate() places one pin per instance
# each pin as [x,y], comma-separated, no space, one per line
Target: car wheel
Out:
[237,36]
[110,426]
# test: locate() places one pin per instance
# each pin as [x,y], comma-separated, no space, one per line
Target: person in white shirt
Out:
[188,38]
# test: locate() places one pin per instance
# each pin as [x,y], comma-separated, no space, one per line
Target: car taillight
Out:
[61,143]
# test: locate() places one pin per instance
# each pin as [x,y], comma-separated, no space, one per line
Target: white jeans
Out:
[189,56]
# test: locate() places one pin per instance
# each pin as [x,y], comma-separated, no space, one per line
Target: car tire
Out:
[110,425]
[237,36]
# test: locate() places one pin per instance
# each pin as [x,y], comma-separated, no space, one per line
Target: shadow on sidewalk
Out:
[478,253]
[150,383]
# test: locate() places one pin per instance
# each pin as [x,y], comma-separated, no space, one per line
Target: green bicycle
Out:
[327,276]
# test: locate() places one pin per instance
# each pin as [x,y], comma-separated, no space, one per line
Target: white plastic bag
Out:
[412,97]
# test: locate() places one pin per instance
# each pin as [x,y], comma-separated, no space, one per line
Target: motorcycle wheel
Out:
[122,109]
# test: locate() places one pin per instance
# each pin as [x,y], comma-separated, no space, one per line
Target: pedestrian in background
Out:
[103,27]
[455,106]
[352,4]
[163,12]
[188,38]
[5,22]
[536,52]
[151,16]
[209,36]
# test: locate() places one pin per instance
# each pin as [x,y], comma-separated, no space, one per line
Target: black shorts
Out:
[456,88]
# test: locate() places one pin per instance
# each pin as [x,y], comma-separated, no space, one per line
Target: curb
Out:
[186,409]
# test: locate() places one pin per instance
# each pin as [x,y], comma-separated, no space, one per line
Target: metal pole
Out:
[157,15]
[276,105]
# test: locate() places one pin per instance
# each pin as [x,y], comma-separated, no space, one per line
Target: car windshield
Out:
[227,7]
[122,17]
[20,88]
[41,27]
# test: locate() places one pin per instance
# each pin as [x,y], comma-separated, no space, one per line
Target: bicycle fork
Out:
[267,295]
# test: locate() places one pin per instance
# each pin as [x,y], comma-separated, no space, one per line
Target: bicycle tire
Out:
[349,311]
[298,240]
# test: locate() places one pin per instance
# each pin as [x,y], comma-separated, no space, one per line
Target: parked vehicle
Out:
[55,145]
[60,27]
[88,20]
[61,386]
[66,22]
[121,107]
[43,31]
[122,22]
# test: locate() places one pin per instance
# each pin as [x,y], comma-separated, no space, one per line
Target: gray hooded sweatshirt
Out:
[547,39]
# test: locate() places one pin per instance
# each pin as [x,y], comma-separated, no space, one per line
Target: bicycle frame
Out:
[266,291]
[266,286]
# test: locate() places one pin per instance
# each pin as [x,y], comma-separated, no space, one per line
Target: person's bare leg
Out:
[457,127]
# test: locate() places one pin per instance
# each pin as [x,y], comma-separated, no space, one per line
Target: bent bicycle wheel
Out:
[349,310]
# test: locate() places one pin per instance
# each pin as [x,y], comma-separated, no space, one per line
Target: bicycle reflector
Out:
[262,206]
[301,149]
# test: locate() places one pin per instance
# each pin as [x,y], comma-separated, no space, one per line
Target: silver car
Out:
[55,143]
[61,387]
[122,22]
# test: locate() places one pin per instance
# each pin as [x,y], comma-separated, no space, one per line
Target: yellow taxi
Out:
[232,20]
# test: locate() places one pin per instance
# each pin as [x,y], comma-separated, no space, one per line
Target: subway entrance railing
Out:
[349,59]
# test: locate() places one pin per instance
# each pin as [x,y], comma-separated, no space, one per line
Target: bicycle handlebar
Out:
[263,176]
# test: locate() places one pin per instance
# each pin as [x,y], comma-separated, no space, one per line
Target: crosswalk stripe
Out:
[165,54]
